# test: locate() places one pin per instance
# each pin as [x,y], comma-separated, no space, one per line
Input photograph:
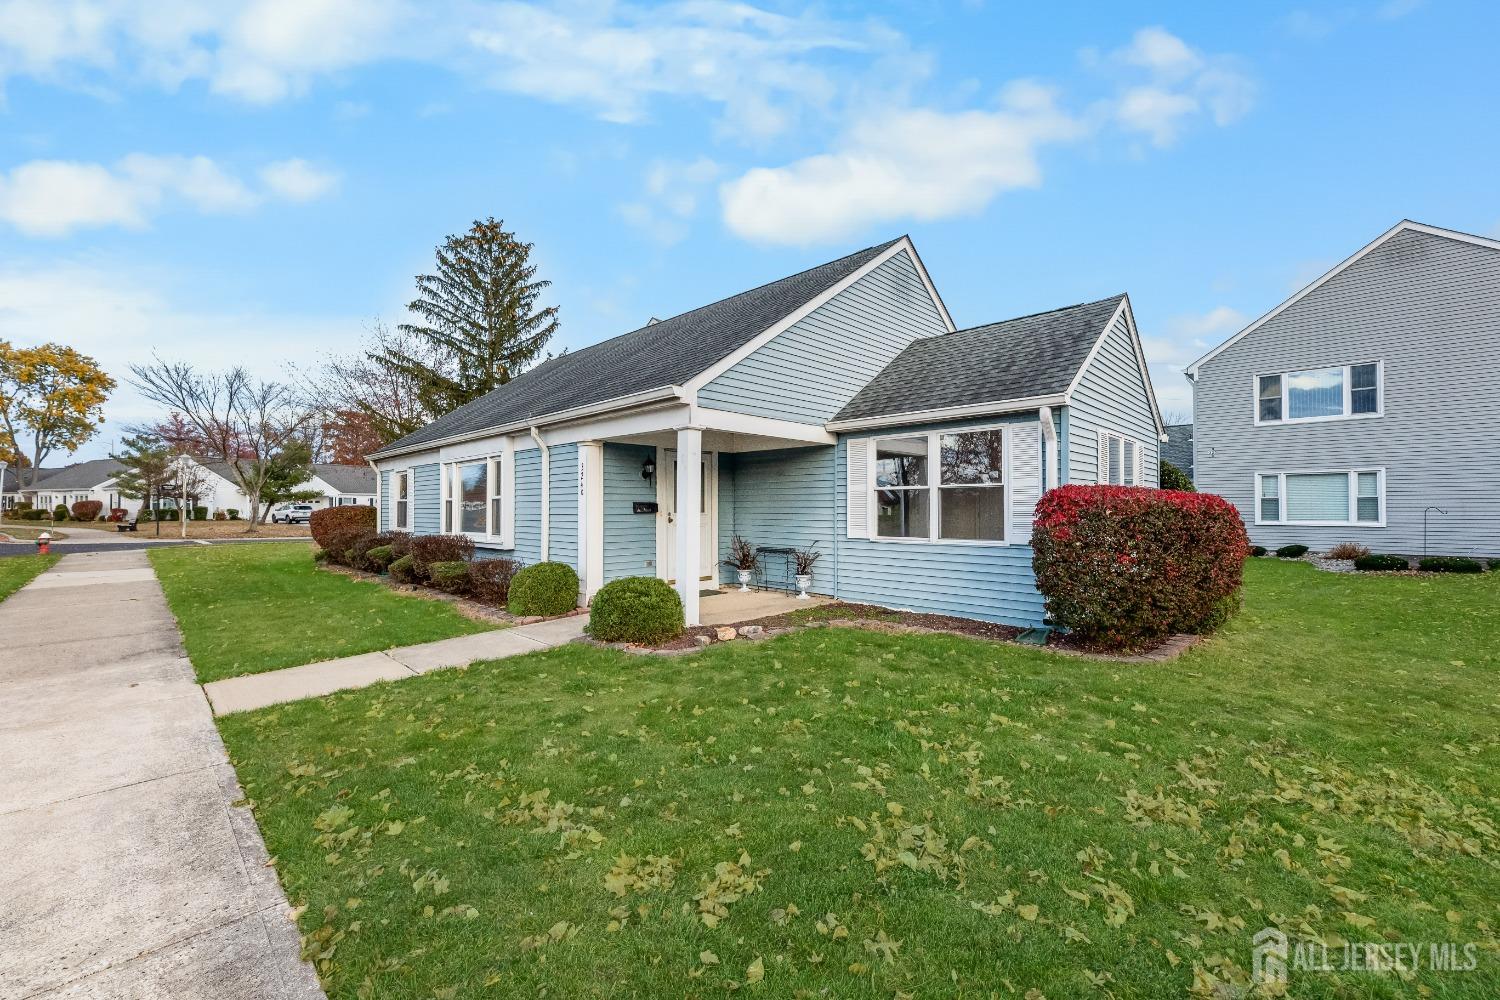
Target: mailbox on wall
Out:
[643,507]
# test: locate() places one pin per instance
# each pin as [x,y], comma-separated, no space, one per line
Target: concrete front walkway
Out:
[127,870]
[241,694]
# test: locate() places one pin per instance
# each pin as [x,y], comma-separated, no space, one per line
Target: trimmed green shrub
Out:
[450,577]
[324,523]
[320,555]
[1173,478]
[87,510]
[402,572]
[490,579]
[641,609]
[60,512]
[1293,551]
[1123,567]
[362,545]
[1450,564]
[32,515]
[200,513]
[545,589]
[428,550]
[379,559]
[1381,564]
[234,514]
[1257,550]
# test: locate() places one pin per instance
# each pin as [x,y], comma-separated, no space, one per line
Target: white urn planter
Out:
[744,580]
[804,580]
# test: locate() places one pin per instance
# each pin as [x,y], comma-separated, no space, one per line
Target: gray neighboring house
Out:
[1337,415]
[1178,447]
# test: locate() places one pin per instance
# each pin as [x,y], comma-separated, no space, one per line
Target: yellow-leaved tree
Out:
[52,399]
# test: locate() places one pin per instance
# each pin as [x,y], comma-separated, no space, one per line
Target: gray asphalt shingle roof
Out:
[1178,448]
[347,478]
[1035,355]
[78,476]
[664,353]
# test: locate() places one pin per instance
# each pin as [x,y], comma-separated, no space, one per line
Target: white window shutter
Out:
[1103,477]
[1025,484]
[857,507]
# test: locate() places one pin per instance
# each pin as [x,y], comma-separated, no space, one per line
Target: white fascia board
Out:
[641,421]
[939,415]
[903,245]
[547,420]
[745,423]
[1405,225]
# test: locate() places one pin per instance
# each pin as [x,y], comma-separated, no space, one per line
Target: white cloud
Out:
[1157,113]
[670,197]
[1218,322]
[55,197]
[904,163]
[1181,84]
[298,180]
[1161,52]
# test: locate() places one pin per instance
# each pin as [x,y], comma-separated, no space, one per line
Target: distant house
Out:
[839,409]
[70,484]
[344,485]
[1366,407]
[1178,447]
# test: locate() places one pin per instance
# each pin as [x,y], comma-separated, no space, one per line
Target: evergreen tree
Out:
[148,471]
[286,470]
[479,312]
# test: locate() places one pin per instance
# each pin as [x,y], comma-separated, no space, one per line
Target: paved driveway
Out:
[126,870]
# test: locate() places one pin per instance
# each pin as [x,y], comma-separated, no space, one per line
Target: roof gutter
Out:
[948,413]
[666,392]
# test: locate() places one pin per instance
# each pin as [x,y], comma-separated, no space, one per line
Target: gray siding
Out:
[562,540]
[1426,306]
[727,497]
[809,371]
[781,498]
[1111,396]
[385,518]
[988,582]
[427,513]
[629,538]
[528,506]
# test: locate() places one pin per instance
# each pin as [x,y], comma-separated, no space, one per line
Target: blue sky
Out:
[254,183]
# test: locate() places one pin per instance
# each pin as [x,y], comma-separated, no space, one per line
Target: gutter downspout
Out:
[536,435]
[379,510]
[1049,449]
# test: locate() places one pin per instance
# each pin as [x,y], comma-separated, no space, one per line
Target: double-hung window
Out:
[1334,393]
[941,486]
[473,496]
[403,500]
[1333,497]
[1119,460]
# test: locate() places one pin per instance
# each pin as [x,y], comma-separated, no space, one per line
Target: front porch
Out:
[730,605]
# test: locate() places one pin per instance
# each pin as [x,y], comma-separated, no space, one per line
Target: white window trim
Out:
[1348,413]
[1353,475]
[494,535]
[397,479]
[1102,459]
[934,488]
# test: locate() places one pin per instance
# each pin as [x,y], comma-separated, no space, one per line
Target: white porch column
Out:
[689,518]
[590,518]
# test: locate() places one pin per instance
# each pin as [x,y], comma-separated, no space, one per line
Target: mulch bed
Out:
[476,610]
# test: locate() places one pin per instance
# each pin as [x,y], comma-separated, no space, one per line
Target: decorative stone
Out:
[751,631]
[702,640]
[724,633]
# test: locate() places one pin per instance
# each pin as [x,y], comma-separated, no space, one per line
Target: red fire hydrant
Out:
[43,543]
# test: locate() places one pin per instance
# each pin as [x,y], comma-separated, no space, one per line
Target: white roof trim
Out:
[948,413]
[903,245]
[1405,225]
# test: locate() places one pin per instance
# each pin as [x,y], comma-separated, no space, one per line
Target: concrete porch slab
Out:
[731,605]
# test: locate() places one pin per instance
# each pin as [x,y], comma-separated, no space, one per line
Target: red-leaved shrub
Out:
[429,549]
[1123,567]
[87,510]
[345,520]
[118,513]
[489,580]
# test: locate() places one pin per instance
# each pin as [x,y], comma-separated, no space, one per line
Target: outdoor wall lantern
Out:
[648,468]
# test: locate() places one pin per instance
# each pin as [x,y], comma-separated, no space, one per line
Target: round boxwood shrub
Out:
[450,577]
[548,588]
[1450,564]
[1257,550]
[379,559]
[639,609]
[402,571]
[1381,564]
[1293,551]
[1123,567]
[1173,478]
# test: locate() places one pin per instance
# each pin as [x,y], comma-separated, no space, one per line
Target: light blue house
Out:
[838,408]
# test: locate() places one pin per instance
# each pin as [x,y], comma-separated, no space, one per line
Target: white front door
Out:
[666,523]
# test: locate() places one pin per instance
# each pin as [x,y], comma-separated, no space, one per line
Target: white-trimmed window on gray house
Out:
[473,497]
[402,489]
[1334,393]
[964,502]
[1119,460]
[1322,498]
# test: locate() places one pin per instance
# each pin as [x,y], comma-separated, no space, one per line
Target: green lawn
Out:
[251,607]
[17,571]
[839,813]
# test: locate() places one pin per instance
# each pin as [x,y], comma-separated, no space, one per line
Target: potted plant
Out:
[743,558]
[805,558]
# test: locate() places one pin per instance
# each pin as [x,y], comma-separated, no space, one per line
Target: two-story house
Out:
[1366,407]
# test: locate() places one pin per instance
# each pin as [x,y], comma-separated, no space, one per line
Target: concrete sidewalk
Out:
[127,869]
[242,694]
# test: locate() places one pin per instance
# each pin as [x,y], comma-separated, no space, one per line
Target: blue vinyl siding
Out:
[726,514]
[629,538]
[562,540]
[987,582]
[782,498]
[528,506]
[385,518]
[1111,396]
[809,371]
[427,513]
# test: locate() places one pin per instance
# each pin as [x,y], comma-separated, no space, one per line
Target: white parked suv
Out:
[292,513]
